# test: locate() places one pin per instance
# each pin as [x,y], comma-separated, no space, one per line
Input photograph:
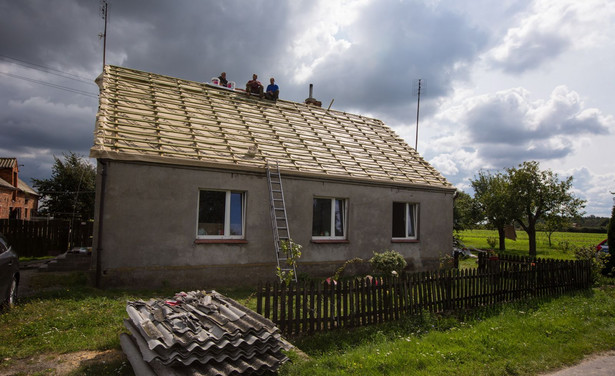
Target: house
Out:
[17,199]
[183,199]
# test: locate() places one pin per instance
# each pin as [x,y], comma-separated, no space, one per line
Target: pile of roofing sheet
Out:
[200,333]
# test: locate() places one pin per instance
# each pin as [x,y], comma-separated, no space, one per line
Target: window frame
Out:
[415,220]
[227,216]
[344,214]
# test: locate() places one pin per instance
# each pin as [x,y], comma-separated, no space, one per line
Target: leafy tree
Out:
[611,242]
[491,193]
[466,212]
[69,193]
[534,194]
[554,222]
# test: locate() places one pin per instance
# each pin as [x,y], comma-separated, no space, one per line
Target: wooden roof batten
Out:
[149,117]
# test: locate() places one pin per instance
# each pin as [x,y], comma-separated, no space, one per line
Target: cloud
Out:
[547,30]
[508,125]
[594,188]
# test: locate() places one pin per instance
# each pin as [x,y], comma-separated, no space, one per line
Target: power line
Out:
[72,90]
[49,70]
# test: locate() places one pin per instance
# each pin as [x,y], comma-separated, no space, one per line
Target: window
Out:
[221,215]
[329,218]
[405,220]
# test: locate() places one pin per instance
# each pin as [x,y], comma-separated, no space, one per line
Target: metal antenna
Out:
[104,34]
[418,105]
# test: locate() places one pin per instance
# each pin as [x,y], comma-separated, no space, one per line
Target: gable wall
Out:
[150,215]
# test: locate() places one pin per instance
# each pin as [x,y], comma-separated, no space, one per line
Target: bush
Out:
[598,260]
[388,262]
[492,242]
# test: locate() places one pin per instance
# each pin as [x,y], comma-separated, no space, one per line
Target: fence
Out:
[307,307]
[45,238]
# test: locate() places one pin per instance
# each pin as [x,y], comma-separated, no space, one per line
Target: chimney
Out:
[311,100]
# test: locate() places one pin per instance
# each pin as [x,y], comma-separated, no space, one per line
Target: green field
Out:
[562,243]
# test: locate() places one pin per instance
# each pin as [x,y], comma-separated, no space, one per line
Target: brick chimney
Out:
[311,100]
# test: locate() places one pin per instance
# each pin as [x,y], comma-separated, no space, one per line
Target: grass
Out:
[516,339]
[561,246]
[66,315]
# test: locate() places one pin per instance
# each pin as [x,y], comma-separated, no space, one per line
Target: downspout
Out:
[101,209]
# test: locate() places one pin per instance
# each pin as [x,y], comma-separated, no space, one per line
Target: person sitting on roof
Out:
[273,90]
[222,78]
[254,86]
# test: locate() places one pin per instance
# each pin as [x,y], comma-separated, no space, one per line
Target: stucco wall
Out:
[150,216]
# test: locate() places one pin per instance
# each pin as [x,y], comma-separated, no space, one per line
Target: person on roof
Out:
[222,78]
[254,86]
[273,90]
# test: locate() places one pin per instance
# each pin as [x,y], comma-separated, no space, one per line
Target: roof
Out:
[25,187]
[21,185]
[8,162]
[151,117]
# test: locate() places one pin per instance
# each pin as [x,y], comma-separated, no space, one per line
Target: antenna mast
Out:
[418,104]
[104,34]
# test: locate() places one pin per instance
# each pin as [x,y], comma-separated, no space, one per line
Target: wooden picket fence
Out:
[45,238]
[307,307]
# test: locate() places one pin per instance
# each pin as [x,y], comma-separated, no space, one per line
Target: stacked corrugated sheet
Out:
[200,333]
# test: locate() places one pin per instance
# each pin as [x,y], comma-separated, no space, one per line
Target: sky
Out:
[501,82]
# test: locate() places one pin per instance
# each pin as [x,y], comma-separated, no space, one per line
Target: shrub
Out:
[388,262]
[292,251]
[492,242]
[598,260]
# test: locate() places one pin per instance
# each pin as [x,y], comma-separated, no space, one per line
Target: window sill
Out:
[404,240]
[220,241]
[330,241]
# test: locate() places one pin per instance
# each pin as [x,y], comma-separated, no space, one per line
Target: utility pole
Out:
[418,105]
[104,34]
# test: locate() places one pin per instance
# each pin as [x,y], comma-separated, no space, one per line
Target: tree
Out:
[534,194]
[69,193]
[554,222]
[466,212]
[611,242]
[491,194]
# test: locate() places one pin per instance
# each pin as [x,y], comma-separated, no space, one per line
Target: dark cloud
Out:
[389,53]
[511,118]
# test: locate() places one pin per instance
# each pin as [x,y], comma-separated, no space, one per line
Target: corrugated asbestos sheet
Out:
[150,117]
[200,333]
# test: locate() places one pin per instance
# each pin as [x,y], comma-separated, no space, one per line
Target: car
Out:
[9,274]
[462,250]
[603,246]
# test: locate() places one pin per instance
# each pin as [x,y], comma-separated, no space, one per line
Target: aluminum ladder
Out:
[279,221]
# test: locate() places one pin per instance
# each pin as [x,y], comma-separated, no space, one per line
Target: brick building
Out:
[17,199]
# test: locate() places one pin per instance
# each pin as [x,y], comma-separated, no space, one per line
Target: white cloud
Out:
[548,29]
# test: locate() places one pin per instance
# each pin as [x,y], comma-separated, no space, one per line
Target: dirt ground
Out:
[60,364]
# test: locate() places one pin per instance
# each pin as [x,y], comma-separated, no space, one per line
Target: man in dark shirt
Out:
[222,78]
[254,86]
[273,90]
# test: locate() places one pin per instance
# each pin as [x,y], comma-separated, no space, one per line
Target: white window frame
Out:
[407,214]
[227,216]
[332,229]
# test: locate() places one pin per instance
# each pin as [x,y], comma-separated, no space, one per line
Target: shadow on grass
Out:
[341,340]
